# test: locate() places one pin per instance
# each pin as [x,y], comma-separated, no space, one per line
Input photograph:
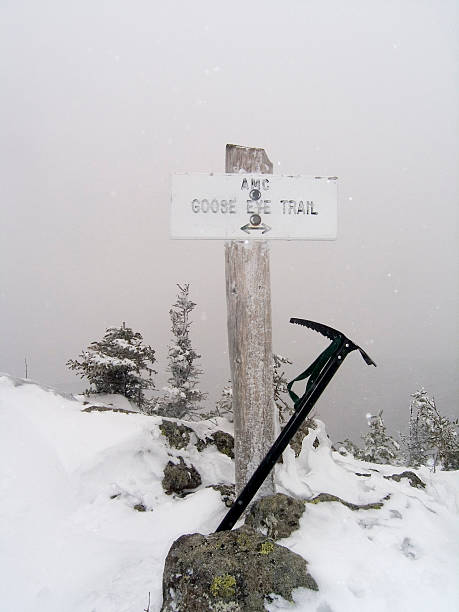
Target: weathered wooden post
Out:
[248,297]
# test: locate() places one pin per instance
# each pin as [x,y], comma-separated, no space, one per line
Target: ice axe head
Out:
[334,334]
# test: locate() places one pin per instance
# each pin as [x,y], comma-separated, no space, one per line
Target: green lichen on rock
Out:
[327,497]
[230,571]
[223,586]
[266,547]
[275,516]
[244,542]
[177,435]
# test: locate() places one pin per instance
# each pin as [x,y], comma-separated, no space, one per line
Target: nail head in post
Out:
[255,219]
[255,194]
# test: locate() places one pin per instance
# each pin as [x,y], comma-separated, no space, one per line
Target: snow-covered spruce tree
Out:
[379,447]
[182,396]
[280,383]
[285,408]
[224,406]
[348,447]
[415,444]
[432,438]
[117,364]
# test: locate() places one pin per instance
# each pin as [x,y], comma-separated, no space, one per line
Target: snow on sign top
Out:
[254,206]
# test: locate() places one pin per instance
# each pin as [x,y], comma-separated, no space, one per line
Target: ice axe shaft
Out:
[320,374]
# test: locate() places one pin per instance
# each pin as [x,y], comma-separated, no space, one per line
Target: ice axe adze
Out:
[319,374]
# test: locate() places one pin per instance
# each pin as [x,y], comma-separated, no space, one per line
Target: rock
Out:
[230,571]
[275,516]
[140,508]
[297,441]
[201,443]
[227,492]
[177,435]
[415,481]
[328,497]
[224,443]
[222,440]
[179,478]
[106,409]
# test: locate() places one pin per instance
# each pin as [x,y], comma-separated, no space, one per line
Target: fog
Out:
[102,101]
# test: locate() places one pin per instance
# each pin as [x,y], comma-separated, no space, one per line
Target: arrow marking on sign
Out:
[246,228]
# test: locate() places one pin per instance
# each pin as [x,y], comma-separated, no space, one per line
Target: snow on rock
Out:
[85,525]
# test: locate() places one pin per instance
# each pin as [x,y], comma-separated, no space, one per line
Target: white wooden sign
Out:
[254,206]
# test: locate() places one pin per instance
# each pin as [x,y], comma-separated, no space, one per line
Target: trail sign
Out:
[247,207]
[253,206]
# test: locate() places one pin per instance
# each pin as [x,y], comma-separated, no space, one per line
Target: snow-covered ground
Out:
[71,539]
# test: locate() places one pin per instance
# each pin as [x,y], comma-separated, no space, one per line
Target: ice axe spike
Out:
[320,372]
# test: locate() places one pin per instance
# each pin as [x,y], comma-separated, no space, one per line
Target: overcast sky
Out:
[102,101]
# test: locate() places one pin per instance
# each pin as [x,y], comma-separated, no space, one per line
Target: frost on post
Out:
[224,406]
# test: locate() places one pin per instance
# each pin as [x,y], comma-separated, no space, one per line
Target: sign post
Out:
[246,207]
[248,299]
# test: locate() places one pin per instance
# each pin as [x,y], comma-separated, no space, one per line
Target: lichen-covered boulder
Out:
[230,571]
[177,435]
[275,516]
[180,478]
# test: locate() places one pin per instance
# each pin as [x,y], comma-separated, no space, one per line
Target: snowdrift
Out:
[72,537]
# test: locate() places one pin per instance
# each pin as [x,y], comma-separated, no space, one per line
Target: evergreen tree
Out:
[280,383]
[182,397]
[348,447]
[430,435]
[379,447]
[225,403]
[117,364]
[224,406]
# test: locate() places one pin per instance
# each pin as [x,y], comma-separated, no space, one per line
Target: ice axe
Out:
[319,374]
